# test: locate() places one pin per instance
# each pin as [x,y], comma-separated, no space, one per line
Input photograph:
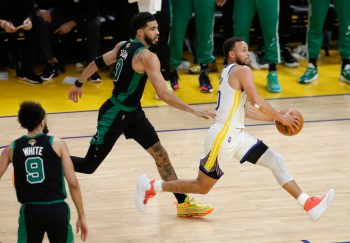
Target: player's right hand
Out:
[82,226]
[75,93]
[204,114]
[293,122]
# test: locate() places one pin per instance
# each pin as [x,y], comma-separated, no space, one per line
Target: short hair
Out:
[230,43]
[30,115]
[140,21]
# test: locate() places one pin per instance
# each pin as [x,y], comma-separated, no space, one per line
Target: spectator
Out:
[15,17]
[317,14]
[63,18]
[204,18]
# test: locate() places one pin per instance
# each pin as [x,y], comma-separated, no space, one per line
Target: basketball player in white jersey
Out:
[227,139]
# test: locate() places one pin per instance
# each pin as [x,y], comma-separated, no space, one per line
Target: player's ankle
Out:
[158,186]
[302,198]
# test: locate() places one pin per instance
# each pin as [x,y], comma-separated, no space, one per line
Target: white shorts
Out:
[220,147]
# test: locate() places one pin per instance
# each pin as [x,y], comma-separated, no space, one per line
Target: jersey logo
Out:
[32,142]
[96,136]
[124,54]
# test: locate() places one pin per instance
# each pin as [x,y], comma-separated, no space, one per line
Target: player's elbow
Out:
[73,185]
[164,95]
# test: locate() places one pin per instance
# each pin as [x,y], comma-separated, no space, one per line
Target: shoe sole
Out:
[274,91]
[316,213]
[291,65]
[140,193]
[29,80]
[48,78]
[342,78]
[196,214]
[309,80]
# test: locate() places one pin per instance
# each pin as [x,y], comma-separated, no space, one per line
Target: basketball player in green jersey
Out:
[40,163]
[227,139]
[123,114]
[317,14]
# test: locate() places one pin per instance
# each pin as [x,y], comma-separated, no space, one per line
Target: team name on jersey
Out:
[34,150]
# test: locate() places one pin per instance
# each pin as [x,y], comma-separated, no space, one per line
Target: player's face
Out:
[242,53]
[151,33]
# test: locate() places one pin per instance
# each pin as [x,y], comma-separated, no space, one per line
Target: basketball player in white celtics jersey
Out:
[237,98]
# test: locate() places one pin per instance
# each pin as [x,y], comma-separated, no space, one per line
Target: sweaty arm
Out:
[107,59]
[5,159]
[245,76]
[62,150]
[152,68]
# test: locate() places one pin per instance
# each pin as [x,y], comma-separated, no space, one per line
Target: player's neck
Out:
[35,132]
[142,41]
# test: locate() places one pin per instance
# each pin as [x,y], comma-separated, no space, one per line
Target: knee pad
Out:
[275,163]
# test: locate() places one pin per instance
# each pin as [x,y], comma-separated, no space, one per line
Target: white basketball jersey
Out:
[230,103]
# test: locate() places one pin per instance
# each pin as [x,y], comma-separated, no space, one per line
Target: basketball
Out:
[286,130]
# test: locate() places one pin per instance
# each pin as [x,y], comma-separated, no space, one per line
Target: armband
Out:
[78,84]
[100,63]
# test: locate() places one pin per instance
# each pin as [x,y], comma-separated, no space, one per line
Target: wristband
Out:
[78,84]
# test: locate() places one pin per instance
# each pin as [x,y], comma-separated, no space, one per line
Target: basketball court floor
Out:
[249,204]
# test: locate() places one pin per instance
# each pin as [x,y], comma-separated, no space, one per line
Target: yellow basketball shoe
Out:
[190,208]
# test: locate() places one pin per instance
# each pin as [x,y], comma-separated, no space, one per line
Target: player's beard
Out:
[45,130]
[149,41]
[241,61]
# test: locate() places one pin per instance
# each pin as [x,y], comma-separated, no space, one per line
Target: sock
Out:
[158,186]
[165,74]
[302,198]
[204,68]
[272,67]
[313,61]
[345,62]
[180,197]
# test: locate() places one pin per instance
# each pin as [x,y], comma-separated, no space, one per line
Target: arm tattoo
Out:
[163,163]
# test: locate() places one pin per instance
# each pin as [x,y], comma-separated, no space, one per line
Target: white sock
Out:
[302,198]
[158,185]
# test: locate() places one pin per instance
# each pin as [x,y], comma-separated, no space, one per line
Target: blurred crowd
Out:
[50,33]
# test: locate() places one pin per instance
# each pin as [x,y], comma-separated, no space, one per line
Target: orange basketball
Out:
[286,130]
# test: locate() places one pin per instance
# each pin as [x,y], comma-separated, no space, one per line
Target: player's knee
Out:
[275,163]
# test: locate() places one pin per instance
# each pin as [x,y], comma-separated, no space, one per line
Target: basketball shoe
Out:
[273,86]
[345,74]
[316,206]
[189,208]
[309,75]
